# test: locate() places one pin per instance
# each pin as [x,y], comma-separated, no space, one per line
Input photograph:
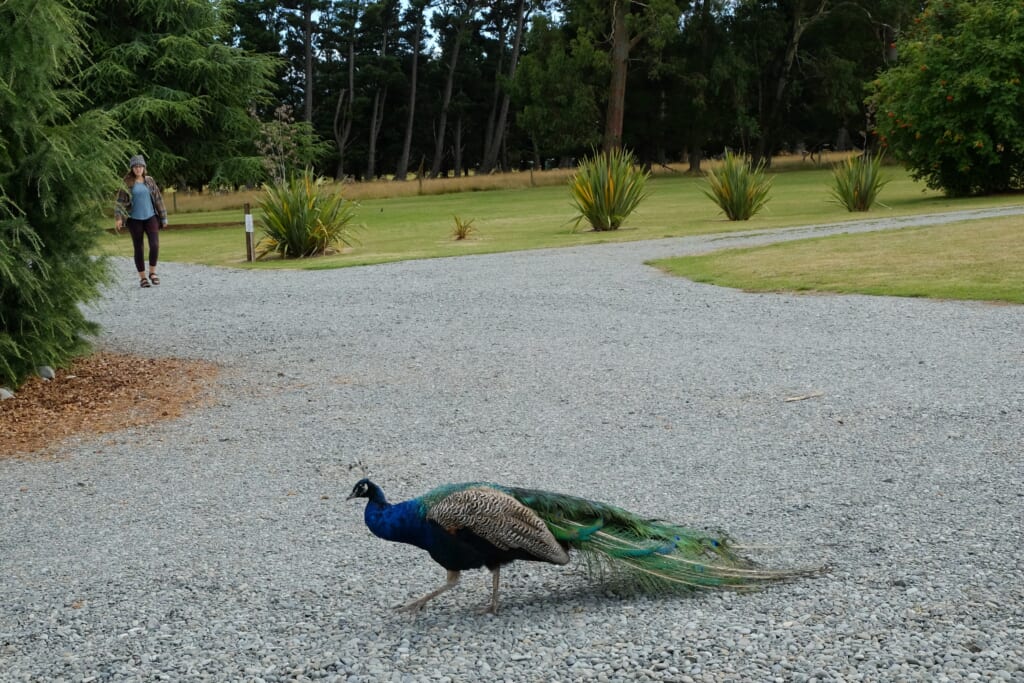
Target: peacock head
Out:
[364,488]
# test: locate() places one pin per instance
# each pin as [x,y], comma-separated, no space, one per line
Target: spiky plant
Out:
[301,218]
[463,228]
[607,188]
[857,181]
[739,190]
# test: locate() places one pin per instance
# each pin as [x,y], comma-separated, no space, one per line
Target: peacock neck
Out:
[402,522]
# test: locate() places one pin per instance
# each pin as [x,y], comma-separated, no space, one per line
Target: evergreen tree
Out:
[56,169]
[164,70]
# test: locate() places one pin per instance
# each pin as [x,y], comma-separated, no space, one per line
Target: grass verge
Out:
[402,228]
[974,260]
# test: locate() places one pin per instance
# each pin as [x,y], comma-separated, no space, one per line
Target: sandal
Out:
[154,279]
[143,282]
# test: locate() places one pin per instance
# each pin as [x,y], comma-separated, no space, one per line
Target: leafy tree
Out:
[626,23]
[770,34]
[56,169]
[952,108]
[258,27]
[554,92]
[288,147]
[162,70]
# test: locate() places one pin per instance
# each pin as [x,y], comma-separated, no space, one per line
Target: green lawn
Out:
[509,220]
[979,260]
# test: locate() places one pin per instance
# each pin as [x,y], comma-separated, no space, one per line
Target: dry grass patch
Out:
[187,202]
[100,393]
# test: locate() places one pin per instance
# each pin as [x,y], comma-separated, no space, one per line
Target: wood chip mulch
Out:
[101,393]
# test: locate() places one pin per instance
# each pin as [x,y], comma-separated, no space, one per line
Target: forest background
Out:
[228,92]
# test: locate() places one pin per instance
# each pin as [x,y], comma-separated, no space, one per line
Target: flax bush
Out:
[857,181]
[463,228]
[606,188]
[302,218]
[739,190]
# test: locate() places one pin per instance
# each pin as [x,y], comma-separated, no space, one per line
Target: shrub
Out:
[951,110]
[739,190]
[857,181]
[606,188]
[58,170]
[462,228]
[300,218]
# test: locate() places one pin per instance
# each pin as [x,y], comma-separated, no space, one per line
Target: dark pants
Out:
[150,226]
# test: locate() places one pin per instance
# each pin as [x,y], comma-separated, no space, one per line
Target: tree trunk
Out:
[343,113]
[307,30]
[403,161]
[620,67]
[492,115]
[694,154]
[457,146]
[446,100]
[376,122]
[768,118]
[497,139]
[377,115]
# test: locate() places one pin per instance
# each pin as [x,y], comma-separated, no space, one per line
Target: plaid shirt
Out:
[123,207]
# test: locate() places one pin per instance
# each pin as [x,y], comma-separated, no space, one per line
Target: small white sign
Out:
[248,222]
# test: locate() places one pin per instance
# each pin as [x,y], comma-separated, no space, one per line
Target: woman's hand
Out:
[118,224]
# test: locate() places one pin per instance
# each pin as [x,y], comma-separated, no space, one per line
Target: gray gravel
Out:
[218,546]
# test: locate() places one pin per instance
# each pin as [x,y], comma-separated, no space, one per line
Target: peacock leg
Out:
[492,608]
[451,582]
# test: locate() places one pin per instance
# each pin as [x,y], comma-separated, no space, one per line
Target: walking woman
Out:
[140,203]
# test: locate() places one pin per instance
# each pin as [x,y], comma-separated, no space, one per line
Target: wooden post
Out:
[250,248]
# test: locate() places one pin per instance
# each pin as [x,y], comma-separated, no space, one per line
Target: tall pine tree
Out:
[163,68]
[56,169]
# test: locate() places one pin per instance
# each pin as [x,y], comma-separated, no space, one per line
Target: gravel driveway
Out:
[219,546]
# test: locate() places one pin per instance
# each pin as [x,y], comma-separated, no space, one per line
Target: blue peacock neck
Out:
[402,522]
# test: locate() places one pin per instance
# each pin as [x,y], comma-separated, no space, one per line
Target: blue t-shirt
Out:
[142,202]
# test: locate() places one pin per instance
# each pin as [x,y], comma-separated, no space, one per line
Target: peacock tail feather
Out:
[647,555]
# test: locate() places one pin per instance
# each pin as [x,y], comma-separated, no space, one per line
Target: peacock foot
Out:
[414,606]
[488,609]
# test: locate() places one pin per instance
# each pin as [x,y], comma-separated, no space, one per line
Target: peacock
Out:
[477,524]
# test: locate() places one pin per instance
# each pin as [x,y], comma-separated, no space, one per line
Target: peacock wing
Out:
[500,519]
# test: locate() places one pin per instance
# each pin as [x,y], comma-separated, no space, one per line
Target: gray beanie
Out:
[137,160]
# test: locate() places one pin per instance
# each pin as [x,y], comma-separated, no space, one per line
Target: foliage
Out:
[162,70]
[739,190]
[301,219]
[463,228]
[606,188]
[857,181]
[619,30]
[951,110]
[558,108]
[753,75]
[287,147]
[56,170]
